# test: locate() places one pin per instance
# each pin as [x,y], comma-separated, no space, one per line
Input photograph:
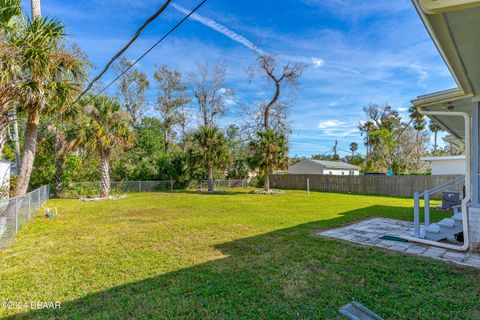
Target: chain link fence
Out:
[222,184]
[85,189]
[15,212]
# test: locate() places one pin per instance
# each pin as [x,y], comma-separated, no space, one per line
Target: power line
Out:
[119,53]
[152,47]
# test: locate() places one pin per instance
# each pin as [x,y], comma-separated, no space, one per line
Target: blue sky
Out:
[356,52]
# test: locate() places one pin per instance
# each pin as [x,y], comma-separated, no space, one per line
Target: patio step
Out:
[458,216]
[445,228]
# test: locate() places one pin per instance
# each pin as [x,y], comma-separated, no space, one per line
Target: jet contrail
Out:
[220,28]
[316,62]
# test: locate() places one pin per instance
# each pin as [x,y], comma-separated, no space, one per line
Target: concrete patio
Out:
[368,232]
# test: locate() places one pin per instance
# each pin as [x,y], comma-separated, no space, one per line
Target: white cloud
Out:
[317,63]
[337,128]
[328,124]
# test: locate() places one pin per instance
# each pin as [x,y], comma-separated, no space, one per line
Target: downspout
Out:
[467,198]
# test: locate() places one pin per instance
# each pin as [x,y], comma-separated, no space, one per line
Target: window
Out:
[352,173]
[343,173]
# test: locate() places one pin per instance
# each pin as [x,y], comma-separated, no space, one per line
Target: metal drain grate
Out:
[356,311]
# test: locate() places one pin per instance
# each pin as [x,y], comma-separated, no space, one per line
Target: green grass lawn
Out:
[186,255]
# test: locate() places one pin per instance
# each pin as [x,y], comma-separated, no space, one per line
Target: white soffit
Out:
[442,6]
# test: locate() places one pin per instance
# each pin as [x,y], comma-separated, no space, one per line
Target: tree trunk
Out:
[266,111]
[59,169]
[166,135]
[28,155]
[36,12]
[59,162]
[210,177]
[105,184]
[3,139]
[266,179]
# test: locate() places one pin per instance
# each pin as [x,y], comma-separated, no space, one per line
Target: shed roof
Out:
[336,165]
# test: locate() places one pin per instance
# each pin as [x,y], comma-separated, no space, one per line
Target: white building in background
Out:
[447,165]
[335,168]
[4,178]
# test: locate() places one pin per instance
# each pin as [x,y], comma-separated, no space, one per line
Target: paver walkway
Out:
[368,232]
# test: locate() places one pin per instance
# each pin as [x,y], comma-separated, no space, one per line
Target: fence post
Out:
[29,206]
[426,200]
[139,186]
[416,214]
[171,185]
[16,215]
[38,196]
[308,187]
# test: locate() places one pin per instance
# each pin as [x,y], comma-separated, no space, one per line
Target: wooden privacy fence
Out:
[396,186]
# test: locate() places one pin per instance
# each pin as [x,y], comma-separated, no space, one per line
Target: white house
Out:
[4,178]
[336,168]
[447,165]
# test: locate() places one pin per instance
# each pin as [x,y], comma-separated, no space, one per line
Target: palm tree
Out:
[269,152]
[64,129]
[9,66]
[105,128]
[48,72]
[419,124]
[367,127]
[210,148]
[353,148]
[435,129]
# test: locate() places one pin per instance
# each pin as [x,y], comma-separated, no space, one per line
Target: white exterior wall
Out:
[4,179]
[337,172]
[453,166]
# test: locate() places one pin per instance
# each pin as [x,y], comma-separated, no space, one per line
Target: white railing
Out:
[15,212]
[427,194]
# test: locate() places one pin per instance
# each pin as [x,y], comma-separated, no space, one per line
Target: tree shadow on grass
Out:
[290,274]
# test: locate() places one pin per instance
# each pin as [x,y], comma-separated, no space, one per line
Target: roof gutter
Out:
[466,241]
[430,12]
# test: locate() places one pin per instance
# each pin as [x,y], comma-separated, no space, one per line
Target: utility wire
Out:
[152,47]
[119,53]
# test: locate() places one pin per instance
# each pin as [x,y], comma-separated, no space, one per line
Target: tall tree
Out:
[64,120]
[210,149]
[269,152]
[210,91]
[273,113]
[47,71]
[435,129]
[366,128]
[419,124]
[271,119]
[382,128]
[132,87]
[105,129]
[353,148]
[171,101]
[9,66]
